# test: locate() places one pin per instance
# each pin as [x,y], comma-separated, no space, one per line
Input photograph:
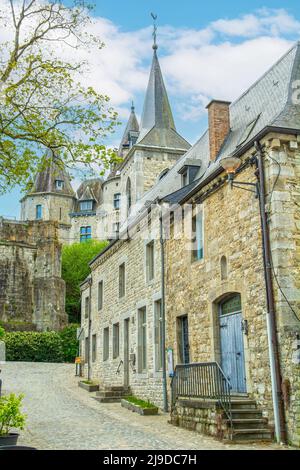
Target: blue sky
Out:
[207,50]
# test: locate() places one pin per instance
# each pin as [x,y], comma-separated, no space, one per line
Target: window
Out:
[105,344]
[86,205]
[60,213]
[117,198]
[197,240]
[122,280]
[231,305]
[86,307]
[184,178]
[94,348]
[158,335]
[142,340]
[38,212]
[59,184]
[150,261]
[116,228]
[183,340]
[85,233]
[224,270]
[86,350]
[100,295]
[116,330]
[128,194]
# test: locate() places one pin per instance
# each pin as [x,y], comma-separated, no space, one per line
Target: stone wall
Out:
[232,229]
[31,288]
[139,293]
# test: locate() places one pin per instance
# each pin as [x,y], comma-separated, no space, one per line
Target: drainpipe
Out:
[278,405]
[163,311]
[89,329]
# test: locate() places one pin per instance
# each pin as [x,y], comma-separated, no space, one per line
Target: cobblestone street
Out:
[63,416]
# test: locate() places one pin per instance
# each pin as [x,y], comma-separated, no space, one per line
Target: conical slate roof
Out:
[132,126]
[157,124]
[52,171]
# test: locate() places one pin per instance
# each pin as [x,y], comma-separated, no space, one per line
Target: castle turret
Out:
[51,196]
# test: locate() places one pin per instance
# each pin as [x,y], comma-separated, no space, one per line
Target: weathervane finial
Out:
[154,16]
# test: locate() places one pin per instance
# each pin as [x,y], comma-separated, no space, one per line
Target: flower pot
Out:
[9,439]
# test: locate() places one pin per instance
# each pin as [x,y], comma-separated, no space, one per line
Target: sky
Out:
[207,50]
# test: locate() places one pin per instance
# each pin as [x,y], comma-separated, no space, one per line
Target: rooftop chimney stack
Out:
[219,125]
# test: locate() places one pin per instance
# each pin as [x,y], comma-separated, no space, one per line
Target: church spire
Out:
[157,123]
[131,132]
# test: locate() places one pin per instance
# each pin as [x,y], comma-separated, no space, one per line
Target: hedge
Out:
[50,346]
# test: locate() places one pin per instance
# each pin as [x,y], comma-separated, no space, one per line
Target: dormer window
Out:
[184,179]
[59,184]
[86,205]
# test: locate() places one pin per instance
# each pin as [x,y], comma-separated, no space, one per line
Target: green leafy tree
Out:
[75,268]
[43,104]
[11,416]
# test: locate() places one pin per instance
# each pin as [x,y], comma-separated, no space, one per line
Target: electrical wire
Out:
[269,210]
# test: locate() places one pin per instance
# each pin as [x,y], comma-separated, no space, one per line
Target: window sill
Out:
[196,262]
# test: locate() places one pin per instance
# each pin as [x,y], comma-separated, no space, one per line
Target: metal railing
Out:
[204,381]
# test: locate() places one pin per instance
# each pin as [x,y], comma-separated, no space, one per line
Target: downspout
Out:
[89,330]
[163,312]
[276,380]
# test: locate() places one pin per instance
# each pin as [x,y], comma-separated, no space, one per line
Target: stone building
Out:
[32,293]
[213,287]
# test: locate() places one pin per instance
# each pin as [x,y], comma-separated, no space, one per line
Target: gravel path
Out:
[63,416]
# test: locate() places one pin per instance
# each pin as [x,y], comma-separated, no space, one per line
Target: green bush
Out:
[75,268]
[69,342]
[30,346]
[11,416]
[2,333]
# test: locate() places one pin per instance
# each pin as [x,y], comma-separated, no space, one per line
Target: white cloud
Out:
[220,60]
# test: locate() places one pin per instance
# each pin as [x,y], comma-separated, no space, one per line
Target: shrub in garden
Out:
[30,346]
[69,342]
[11,416]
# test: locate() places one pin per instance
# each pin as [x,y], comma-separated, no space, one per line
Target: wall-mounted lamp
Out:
[231,164]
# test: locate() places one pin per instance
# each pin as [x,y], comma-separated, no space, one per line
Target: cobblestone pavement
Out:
[63,416]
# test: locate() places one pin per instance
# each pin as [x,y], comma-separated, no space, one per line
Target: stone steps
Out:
[248,423]
[113,394]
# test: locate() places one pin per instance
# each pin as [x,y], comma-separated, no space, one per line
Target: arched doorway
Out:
[232,342]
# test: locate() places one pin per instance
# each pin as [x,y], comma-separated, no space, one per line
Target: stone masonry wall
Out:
[232,229]
[31,288]
[139,293]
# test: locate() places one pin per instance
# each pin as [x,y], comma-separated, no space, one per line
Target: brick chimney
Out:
[219,125]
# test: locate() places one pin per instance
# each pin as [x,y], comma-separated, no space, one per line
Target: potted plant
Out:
[137,405]
[11,418]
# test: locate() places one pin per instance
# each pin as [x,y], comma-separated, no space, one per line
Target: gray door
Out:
[232,344]
[126,352]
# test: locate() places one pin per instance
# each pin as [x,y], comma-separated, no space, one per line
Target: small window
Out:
[224,270]
[184,179]
[122,280]
[94,348]
[231,305]
[86,307]
[158,335]
[116,330]
[86,350]
[100,295]
[150,261]
[117,199]
[105,344]
[86,205]
[116,228]
[142,340]
[59,184]
[85,233]
[197,237]
[38,212]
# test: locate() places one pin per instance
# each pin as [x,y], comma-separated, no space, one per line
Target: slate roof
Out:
[157,126]
[89,190]
[132,125]
[266,104]
[45,179]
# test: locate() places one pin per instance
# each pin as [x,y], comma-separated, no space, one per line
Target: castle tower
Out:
[130,135]
[158,145]
[51,197]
